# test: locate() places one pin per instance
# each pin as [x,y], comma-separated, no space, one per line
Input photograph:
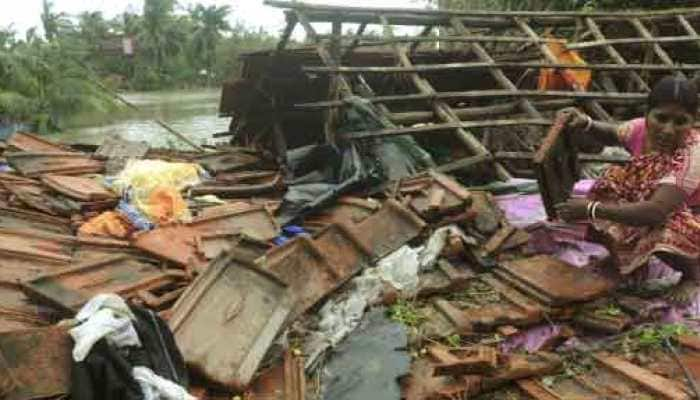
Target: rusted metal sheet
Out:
[27,254]
[243,309]
[90,248]
[177,243]
[249,177]
[469,361]
[242,190]
[15,218]
[182,243]
[35,363]
[255,221]
[433,194]
[22,141]
[33,164]
[389,228]
[39,197]
[556,165]
[554,282]
[212,246]
[660,386]
[79,188]
[314,268]
[229,160]
[444,279]
[71,288]
[349,210]
[281,382]
[16,313]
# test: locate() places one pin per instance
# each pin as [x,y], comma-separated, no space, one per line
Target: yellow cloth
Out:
[155,187]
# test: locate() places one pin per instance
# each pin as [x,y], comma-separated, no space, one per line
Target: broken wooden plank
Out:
[243,308]
[660,386]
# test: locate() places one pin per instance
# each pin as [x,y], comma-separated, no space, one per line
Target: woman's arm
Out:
[654,211]
[603,132]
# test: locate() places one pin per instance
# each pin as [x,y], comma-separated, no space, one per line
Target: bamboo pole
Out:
[660,52]
[499,65]
[483,13]
[628,41]
[365,41]
[483,94]
[158,121]
[615,55]
[448,126]
[442,110]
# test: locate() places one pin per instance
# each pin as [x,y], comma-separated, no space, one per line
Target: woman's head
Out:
[672,105]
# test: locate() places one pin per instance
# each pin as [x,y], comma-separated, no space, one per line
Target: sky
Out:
[24,14]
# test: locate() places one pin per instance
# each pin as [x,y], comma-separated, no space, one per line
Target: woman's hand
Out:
[573,210]
[577,119]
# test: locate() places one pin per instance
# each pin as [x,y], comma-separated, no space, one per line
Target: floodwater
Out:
[194,113]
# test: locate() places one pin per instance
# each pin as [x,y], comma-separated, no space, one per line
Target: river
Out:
[193,113]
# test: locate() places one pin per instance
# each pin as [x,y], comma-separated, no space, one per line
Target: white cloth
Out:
[104,316]
[156,388]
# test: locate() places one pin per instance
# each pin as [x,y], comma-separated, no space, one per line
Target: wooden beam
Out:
[297,5]
[484,94]
[442,110]
[497,74]
[628,41]
[415,117]
[499,65]
[615,55]
[586,158]
[364,41]
[660,52]
[446,127]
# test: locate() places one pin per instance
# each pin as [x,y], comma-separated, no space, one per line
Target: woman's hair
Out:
[674,90]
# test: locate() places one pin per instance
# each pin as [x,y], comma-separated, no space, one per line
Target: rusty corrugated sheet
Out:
[71,288]
[79,188]
[243,309]
[26,254]
[33,164]
[314,268]
[22,141]
[16,313]
[15,218]
[433,194]
[554,282]
[389,228]
[35,363]
[182,243]
[229,160]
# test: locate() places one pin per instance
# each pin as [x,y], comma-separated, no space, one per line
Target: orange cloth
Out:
[109,223]
[165,205]
[551,79]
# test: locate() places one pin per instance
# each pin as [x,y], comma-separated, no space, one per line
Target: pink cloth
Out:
[686,171]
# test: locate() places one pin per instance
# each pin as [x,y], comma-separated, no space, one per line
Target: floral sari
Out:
[637,181]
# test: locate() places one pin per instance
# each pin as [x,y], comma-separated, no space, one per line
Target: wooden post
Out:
[660,52]
[615,55]
[442,110]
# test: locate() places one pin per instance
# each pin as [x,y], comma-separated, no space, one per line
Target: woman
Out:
[643,209]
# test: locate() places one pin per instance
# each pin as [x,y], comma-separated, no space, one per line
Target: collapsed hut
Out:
[485,84]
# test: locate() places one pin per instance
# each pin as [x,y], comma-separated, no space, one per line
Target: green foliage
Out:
[406,313]
[45,79]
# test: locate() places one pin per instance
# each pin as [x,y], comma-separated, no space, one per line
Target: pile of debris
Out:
[365,266]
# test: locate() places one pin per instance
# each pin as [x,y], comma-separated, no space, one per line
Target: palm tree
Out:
[209,24]
[52,22]
[157,24]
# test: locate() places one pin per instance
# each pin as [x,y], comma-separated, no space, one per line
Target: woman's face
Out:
[667,127]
